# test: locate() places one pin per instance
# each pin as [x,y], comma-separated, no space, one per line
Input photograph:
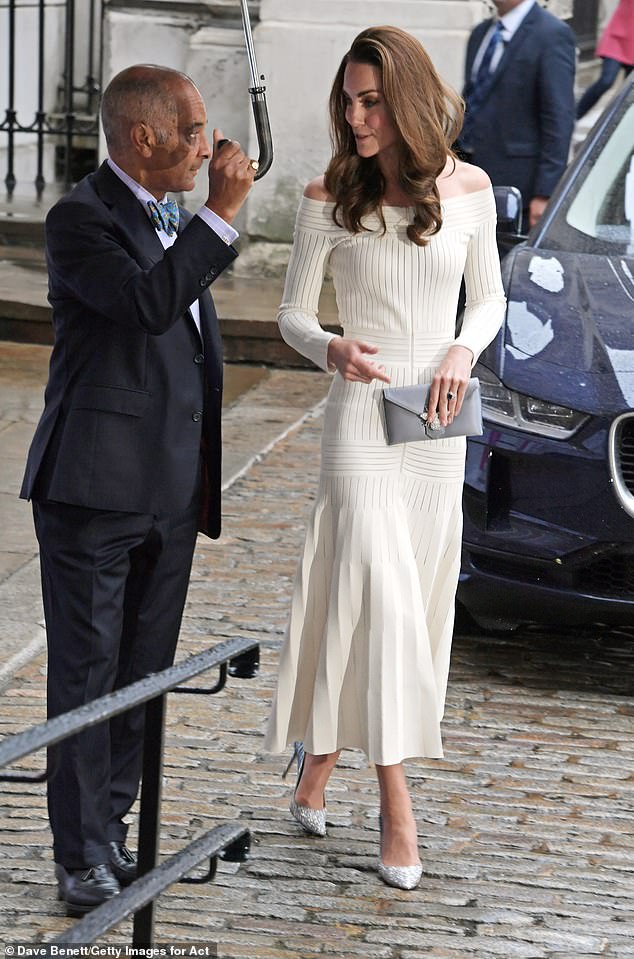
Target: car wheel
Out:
[464,623]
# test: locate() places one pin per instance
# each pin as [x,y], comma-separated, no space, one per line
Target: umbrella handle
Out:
[263,129]
[257,91]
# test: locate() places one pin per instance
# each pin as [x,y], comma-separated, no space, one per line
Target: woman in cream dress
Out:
[399,221]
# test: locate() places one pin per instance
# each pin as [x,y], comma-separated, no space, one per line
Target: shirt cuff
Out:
[218,225]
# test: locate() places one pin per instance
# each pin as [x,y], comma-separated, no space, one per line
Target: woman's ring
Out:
[450,395]
[254,165]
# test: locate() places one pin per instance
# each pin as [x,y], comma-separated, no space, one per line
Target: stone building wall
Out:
[299,44]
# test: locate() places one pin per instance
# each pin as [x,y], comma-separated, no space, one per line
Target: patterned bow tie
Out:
[164,215]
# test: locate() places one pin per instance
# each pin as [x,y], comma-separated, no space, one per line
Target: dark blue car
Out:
[549,495]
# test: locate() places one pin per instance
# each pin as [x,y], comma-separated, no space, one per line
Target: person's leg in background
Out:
[609,72]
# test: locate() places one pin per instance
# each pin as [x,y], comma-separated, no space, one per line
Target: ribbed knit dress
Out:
[366,654]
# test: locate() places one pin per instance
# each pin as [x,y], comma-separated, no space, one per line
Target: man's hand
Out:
[230,178]
[536,208]
[349,357]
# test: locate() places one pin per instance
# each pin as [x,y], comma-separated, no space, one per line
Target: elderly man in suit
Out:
[519,83]
[124,467]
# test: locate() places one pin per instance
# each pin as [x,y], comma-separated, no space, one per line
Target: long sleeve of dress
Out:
[486,302]
[314,239]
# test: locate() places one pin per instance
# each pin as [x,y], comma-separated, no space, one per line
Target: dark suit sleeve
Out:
[92,259]
[556,108]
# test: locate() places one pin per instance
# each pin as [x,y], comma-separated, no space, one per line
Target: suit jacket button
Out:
[197,416]
[199,358]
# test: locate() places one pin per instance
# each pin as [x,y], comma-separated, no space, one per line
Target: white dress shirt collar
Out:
[166,241]
[512,20]
[139,191]
[216,223]
[213,221]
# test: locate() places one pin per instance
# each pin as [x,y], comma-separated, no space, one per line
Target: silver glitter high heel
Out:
[312,820]
[402,877]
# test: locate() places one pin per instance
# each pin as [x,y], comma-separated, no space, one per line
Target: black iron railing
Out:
[239,657]
[73,116]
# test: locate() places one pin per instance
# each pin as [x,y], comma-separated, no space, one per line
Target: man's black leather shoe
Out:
[85,889]
[122,863]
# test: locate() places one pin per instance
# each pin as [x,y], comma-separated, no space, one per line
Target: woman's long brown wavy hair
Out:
[428,117]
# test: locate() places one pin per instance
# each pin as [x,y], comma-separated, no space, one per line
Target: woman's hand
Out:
[448,386]
[349,358]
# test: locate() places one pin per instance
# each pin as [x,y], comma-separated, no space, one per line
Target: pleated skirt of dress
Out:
[365,658]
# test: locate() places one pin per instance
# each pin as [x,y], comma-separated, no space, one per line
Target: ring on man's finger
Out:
[450,395]
[255,166]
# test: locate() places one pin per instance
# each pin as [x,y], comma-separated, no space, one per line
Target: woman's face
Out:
[366,110]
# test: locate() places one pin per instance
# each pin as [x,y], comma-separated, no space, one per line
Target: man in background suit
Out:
[124,467]
[519,92]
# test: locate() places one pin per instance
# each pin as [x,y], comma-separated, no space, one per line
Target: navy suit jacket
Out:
[521,134]
[134,391]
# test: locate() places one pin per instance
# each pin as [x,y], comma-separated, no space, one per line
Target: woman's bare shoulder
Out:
[459,178]
[472,178]
[315,190]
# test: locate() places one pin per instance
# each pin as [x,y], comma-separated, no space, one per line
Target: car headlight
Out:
[527,413]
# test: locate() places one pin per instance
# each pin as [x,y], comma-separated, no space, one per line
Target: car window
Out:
[604,206]
[595,213]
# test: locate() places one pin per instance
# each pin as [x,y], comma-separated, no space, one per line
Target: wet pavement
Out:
[526,827]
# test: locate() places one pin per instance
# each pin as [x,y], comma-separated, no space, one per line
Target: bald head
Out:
[141,94]
[154,119]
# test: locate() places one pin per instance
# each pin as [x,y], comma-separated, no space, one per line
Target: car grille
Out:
[609,576]
[621,451]
[627,454]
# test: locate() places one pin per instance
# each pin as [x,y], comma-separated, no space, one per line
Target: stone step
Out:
[247,309]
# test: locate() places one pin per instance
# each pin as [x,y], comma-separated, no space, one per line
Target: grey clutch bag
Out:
[406,418]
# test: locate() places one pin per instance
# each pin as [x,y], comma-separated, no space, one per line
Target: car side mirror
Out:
[508,205]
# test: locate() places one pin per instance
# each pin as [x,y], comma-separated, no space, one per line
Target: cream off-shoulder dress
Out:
[366,655]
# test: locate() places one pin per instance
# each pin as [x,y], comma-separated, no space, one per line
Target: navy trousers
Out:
[114,587]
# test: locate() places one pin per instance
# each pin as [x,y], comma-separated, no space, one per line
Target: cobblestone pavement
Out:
[526,827]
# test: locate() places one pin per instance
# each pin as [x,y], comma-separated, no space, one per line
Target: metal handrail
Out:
[52,731]
[237,656]
[146,889]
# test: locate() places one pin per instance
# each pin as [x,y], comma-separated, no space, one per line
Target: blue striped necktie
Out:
[478,89]
[164,215]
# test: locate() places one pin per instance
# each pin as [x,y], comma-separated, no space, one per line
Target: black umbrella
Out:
[258,99]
